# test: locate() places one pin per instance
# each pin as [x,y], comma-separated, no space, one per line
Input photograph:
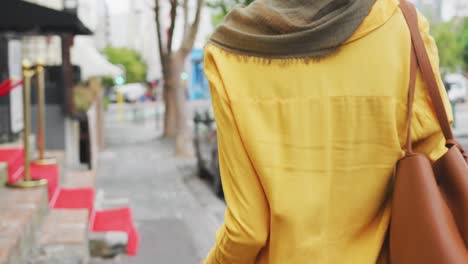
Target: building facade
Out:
[454,8]
[438,10]
[47,49]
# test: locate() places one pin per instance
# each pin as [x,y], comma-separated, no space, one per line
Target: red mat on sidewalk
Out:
[118,220]
[14,158]
[48,172]
[79,198]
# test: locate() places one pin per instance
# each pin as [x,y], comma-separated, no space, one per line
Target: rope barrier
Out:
[7,86]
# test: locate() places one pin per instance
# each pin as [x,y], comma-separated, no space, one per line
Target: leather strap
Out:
[411,17]
[411,92]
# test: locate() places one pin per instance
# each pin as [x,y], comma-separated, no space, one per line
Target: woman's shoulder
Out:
[215,55]
[211,50]
[214,50]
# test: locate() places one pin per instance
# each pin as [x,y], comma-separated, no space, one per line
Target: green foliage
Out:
[108,81]
[222,8]
[135,68]
[446,35]
[217,18]
[464,43]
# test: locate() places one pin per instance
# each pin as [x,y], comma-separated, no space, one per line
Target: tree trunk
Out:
[170,99]
[176,117]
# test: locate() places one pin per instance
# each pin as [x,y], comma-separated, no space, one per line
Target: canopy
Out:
[24,17]
[91,62]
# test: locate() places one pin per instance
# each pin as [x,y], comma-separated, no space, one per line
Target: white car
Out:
[131,92]
[457,87]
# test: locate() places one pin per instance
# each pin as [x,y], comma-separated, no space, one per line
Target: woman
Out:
[310,102]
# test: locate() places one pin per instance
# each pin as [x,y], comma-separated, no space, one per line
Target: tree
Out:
[450,51]
[135,68]
[172,61]
[223,7]
[464,44]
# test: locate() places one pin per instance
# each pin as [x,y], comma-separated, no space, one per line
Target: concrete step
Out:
[80,179]
[22,214]
[63,238]
[102,244]
[3,173]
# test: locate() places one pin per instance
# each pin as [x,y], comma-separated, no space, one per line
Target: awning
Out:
[91,62]
[22,17]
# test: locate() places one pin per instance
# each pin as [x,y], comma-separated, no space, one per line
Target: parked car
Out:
[456,87]
[131,92]
[206,150]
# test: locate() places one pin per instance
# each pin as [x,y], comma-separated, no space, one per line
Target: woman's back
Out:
[308,146]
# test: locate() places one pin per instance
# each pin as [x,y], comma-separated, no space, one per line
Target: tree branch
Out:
[162,54]
[216,4]
[186,16]
[189,38]
[172,26]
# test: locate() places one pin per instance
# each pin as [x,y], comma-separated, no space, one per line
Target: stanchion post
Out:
[27,182]
[41,116]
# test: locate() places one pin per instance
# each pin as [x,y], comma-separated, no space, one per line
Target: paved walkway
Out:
[461,118]
[177,215]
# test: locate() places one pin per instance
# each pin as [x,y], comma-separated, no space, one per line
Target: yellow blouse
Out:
[307,148]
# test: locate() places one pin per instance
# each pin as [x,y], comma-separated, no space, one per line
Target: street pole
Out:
[120,110]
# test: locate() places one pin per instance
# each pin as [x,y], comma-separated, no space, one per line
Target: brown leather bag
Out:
[429,222]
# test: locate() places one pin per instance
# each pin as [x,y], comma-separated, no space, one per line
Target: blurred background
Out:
[105,105]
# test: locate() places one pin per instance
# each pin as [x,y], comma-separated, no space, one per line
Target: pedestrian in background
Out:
[310,100]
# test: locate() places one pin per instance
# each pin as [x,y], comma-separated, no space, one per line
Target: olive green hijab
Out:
[289,29]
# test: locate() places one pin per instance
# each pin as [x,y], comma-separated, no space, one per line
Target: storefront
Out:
[22,21]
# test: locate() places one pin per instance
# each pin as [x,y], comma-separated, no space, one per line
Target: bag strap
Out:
[422,60]
[411,92]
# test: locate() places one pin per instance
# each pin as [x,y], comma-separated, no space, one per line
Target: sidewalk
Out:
[461,119]
[177,223]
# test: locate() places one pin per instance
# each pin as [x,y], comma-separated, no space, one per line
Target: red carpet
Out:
[100,221]
[14,158]
[79,198]
[118,220]
[48,172]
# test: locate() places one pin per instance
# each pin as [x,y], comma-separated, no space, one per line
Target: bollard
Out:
[27,182]
[41,116]
[120,101]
